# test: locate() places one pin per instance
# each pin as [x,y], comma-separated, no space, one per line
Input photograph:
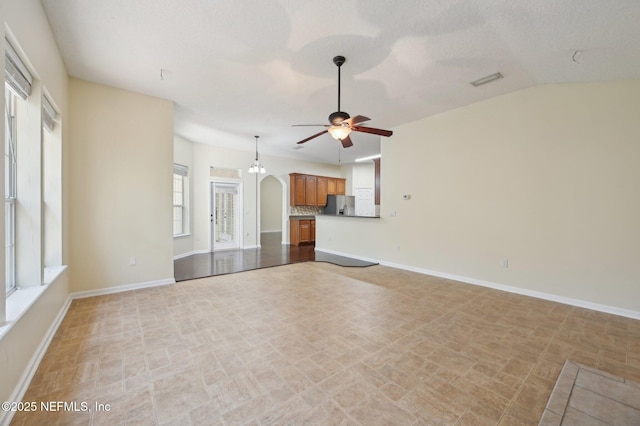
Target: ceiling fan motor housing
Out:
[336,118]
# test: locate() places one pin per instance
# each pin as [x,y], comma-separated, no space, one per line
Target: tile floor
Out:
[315,343]
[586,396]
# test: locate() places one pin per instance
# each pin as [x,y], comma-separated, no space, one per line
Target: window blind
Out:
[179,169]
[16,73]
[49,114]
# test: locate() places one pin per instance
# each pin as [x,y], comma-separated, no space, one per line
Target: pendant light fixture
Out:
[256,167]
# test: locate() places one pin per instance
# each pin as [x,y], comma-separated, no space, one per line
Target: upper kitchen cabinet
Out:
[298,185]
[312,190]
[321,190]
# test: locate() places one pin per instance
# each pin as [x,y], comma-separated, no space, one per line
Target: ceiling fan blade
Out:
[314,136]
[346,142]
[355,120]
[379,132]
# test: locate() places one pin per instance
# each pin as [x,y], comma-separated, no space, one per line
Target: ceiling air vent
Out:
[487,79]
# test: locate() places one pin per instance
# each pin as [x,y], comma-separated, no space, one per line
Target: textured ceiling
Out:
[240,68]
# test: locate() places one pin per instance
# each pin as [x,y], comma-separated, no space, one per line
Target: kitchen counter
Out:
[357,217]
[302,217]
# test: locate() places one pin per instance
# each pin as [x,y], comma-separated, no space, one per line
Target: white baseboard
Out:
[190,253]
[34,362]
[628,313]
[121,288]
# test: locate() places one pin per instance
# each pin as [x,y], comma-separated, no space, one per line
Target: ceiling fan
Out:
[341,123]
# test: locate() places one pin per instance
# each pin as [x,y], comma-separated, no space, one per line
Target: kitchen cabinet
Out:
[321,190]
[312,190]
[302,231]
[298,186]
[331,186]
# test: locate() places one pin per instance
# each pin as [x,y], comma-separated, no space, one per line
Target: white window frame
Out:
[10,188]
[180,200]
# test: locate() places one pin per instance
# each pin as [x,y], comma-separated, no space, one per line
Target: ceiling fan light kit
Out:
[339,132]
[256,167]
[342,124]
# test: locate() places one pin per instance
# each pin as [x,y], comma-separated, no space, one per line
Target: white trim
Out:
[190,253]
[121,288]
[628,313]
[21,300]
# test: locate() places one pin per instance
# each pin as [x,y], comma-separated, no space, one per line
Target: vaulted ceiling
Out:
[239,68]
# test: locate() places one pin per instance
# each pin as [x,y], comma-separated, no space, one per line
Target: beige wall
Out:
[545,177]
[121,171]
[25,19]
[271,205]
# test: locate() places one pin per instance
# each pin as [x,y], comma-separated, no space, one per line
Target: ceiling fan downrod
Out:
[339,60]
[338,117]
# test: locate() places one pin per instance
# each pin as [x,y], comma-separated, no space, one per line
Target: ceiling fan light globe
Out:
[339,132]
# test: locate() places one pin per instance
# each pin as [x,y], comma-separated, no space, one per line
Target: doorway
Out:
[226,232]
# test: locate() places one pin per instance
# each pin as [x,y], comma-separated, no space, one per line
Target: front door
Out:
[225,216]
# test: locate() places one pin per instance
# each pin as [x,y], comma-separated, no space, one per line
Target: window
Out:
[180,193]
[10,187]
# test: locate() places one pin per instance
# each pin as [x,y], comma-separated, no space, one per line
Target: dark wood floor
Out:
[272,253]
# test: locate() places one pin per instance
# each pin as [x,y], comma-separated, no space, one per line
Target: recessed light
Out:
[487,79]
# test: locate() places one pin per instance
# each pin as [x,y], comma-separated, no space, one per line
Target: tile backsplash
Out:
[304,210]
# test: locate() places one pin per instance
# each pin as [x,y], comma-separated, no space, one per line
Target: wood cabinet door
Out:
[313,231]
[305,231]
[311,193]
[294,232]
[341,187]
[331,186]
[299,190]
[322,191]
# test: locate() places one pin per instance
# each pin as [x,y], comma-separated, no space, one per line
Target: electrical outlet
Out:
[132,261]
[505,263]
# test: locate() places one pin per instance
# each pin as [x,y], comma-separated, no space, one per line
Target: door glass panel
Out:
[226,218]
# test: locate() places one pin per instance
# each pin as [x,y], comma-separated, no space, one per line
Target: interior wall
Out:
[25,21]
[207,156]
[183,154]
[270,205]
[545,178]
[121,187]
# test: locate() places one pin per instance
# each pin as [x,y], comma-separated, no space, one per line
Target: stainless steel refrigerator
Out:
[344,205]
